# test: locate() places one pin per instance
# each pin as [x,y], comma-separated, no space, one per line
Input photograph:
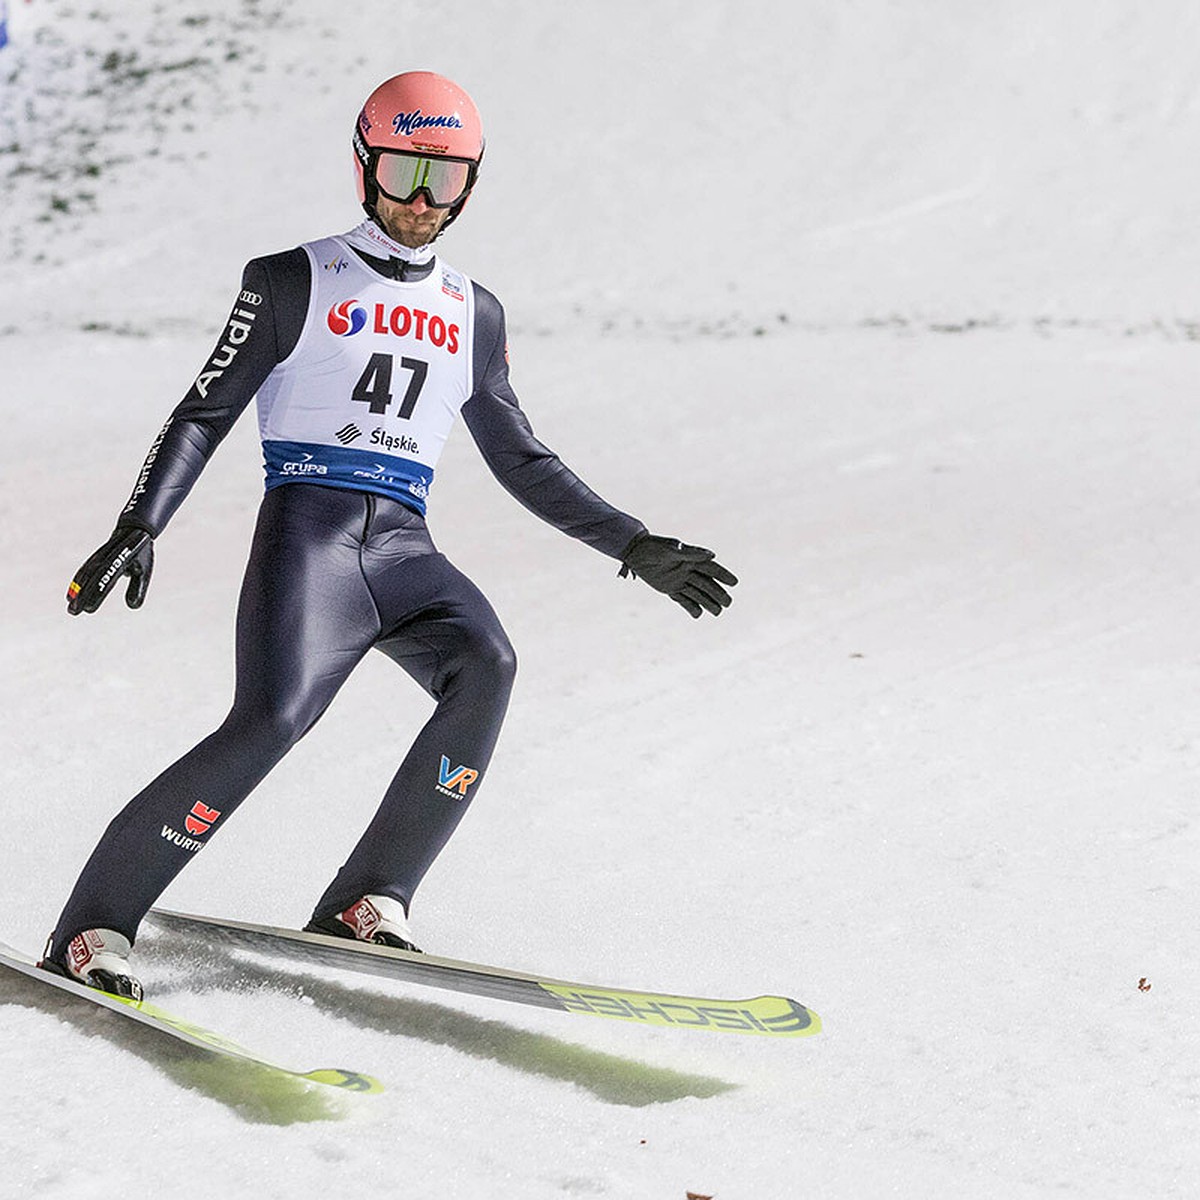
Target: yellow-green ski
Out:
[763,1016]
[768,1016]
[175,1027]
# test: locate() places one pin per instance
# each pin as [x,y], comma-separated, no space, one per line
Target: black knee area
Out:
[271,727]
[500,660]
[488,661]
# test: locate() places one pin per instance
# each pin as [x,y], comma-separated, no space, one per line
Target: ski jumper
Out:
[361,355]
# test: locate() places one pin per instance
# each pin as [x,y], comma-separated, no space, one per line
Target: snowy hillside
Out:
[893,306]
[668,165]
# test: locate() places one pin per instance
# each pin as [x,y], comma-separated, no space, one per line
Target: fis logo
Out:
[346,318]
[455,782]
[200,819]
[336,265]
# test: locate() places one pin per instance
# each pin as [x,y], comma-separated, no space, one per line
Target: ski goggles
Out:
[445,181]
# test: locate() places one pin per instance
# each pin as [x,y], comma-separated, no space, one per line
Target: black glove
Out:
[130,551]
[690,575]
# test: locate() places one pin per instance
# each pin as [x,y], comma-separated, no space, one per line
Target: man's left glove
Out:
[690,575]
[129,552]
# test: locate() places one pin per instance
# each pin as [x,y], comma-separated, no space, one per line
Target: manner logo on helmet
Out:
[346,318]
[407,123]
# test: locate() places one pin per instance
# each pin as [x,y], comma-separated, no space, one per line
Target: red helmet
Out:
[418,133]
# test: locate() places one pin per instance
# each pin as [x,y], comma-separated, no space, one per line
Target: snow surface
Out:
[894,306]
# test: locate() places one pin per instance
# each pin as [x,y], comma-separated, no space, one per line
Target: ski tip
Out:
[806,1030]
[350,1081]
[780,1016]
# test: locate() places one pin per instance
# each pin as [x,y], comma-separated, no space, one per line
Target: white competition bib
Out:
[368,396]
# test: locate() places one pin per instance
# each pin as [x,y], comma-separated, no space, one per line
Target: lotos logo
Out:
[346,318]
[349,317]
[460,778]
[402,321]
[200,819]
[410,122]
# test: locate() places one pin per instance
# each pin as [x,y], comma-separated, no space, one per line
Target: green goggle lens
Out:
[445,181]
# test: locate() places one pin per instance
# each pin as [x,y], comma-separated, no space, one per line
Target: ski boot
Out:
[99,958]
[378,919]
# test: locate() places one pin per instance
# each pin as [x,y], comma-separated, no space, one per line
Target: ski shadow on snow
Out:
[608,1077]
[255,1093]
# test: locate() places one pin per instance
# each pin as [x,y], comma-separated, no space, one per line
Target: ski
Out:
[170,1026]
[770,1016]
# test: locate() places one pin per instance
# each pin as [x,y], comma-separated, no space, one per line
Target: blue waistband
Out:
[343,466]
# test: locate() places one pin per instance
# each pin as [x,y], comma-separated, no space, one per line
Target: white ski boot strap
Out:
[98,950]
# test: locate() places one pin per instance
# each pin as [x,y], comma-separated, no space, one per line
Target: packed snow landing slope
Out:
[934,772]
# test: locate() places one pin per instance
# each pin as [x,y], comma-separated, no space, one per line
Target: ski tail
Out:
[168,1025]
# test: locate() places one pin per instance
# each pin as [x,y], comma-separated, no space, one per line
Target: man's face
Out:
[414,224]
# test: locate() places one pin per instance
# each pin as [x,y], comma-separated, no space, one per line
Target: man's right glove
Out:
[129,552]
[690,575]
